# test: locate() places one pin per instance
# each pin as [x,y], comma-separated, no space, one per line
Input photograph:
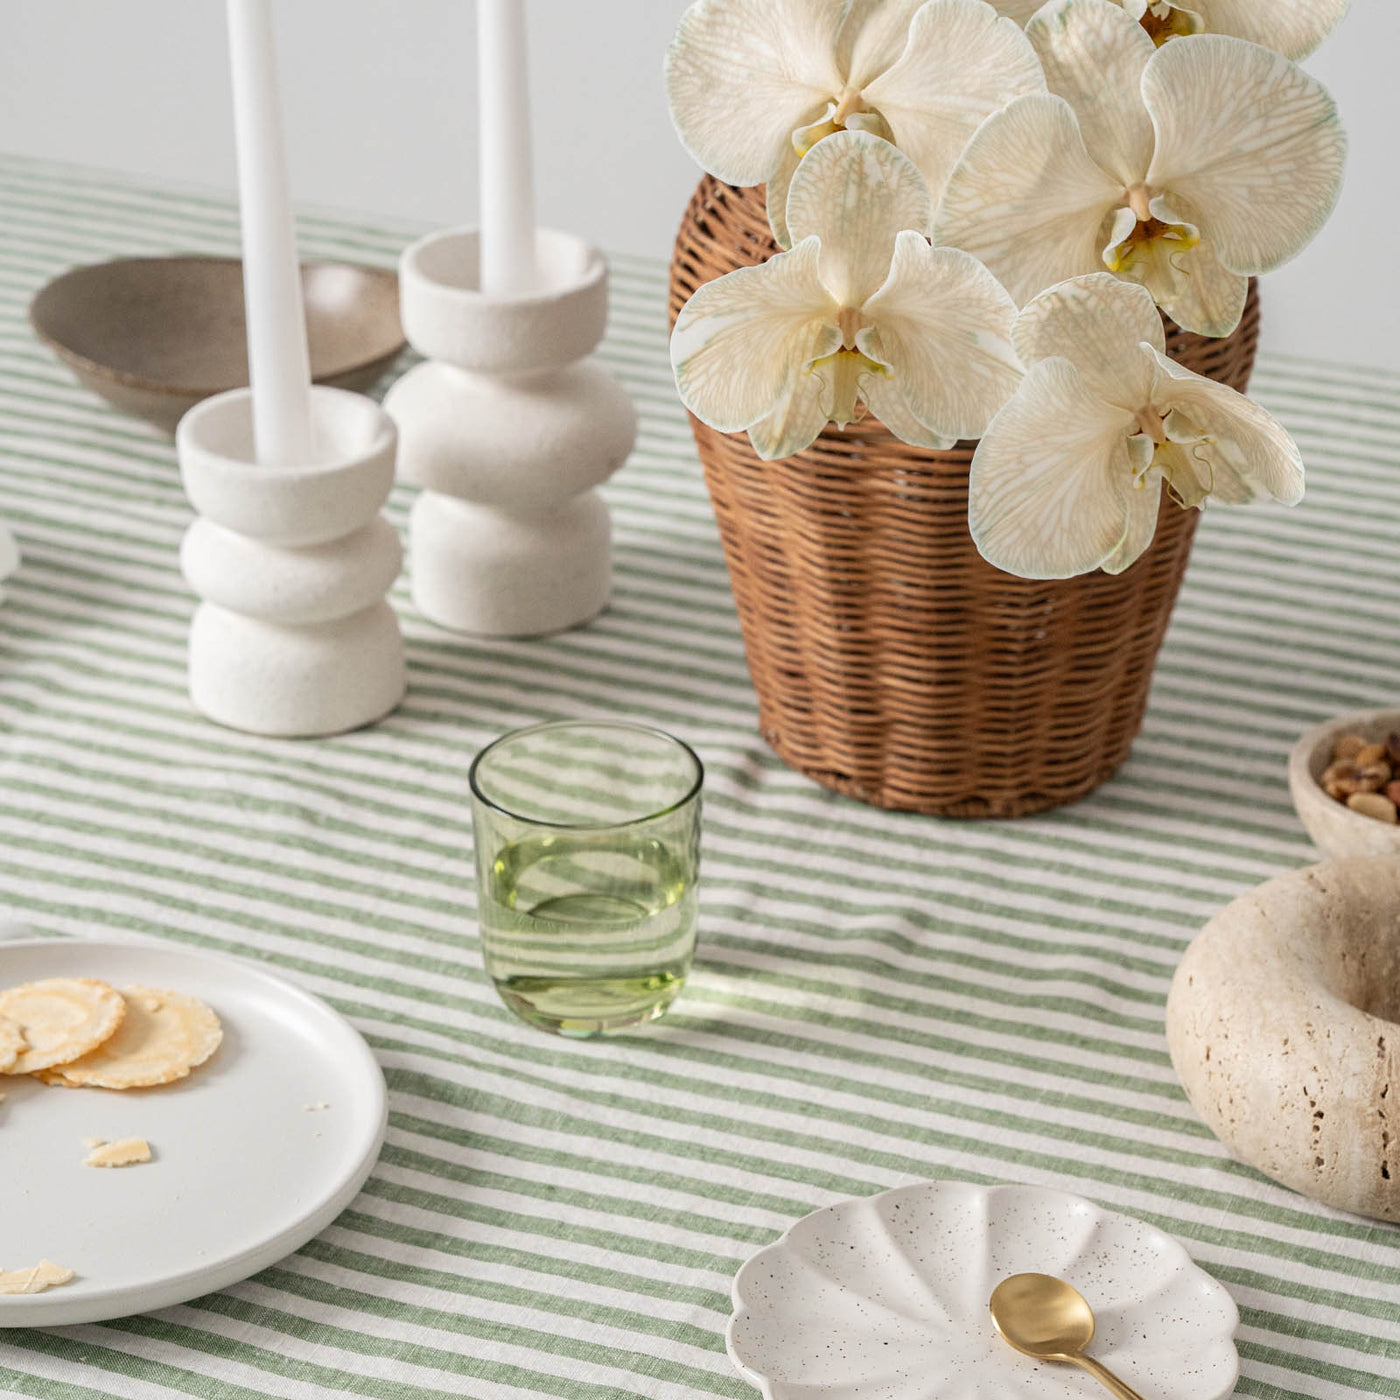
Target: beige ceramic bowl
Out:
[1335,828]
[154,336]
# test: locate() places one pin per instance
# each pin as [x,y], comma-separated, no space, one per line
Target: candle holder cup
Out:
[293,636]
[509,430]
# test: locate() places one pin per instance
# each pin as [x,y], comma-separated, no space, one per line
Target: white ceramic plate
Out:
[886,1299]
[246,1169]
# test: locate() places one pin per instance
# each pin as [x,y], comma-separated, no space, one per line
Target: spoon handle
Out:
[1106,1378]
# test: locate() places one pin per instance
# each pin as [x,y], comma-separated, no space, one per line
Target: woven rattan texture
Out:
[892,662]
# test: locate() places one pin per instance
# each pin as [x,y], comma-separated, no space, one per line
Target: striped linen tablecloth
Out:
[878,998]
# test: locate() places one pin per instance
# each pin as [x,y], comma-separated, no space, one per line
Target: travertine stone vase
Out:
[1284,1027]
[509,430]
[292,637]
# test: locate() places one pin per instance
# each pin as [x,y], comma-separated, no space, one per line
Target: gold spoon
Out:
[1048,1319]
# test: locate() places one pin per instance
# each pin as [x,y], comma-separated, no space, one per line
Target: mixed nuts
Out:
[1366,776]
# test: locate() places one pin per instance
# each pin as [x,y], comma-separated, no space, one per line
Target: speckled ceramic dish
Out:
[886,1299]
[1337,830]
[154,336]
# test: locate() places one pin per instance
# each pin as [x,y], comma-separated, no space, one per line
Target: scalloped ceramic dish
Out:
[886,1299]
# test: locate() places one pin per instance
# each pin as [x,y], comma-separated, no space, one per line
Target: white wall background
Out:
[380,106]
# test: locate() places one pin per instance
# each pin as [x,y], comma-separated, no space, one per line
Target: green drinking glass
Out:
[587,856]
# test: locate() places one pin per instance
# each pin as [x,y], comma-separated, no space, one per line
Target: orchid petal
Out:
[884,399]
[1099,325]
[1047,494]
[741,341]
[779,183]
[1124,222]
[1195,290]
[1018,10]
[873,37]
[796,422]
[942,323]
[1026,198]
[9,552]
[1249,147]
[963,62]
[856,193]
[1249,451]
[742,75]
[1165,20]
[1094,55]
[823,124]
[1144,500]
[1293,28]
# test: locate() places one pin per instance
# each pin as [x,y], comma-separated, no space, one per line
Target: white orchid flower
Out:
[861,309]
[755,84]
[1188,168]
[1293,28]
[1068,477]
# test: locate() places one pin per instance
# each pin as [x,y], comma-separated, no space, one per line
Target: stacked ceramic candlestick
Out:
[290,556]
[509,430]
[292,636]
[507,427]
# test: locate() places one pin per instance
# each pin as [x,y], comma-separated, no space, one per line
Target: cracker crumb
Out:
[314,1107]
[44,1274]
[90,1143]
[126,1153]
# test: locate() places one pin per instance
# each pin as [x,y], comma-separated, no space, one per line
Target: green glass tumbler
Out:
[587,857]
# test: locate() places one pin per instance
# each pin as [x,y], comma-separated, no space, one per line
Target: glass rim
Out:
[691,793]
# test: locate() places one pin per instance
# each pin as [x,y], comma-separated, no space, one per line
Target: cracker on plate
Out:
[60,1018]
[12,1042]
[164,1035]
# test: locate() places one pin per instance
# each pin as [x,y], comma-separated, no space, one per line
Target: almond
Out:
[1372,804]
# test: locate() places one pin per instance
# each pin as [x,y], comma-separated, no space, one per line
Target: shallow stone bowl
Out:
[1333,826]
[155,336]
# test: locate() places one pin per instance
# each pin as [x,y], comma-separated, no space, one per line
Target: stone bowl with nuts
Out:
[1345,780]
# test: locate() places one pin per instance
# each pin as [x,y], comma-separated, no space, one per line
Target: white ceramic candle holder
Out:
[509,430]
[292,637]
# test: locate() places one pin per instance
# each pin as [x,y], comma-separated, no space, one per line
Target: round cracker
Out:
[60,1018]
[12,1042]
[164,1036]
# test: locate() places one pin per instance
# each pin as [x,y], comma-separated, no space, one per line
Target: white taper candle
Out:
[507,166]
[279,365]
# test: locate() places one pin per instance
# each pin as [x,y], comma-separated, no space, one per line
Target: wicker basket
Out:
[892,662]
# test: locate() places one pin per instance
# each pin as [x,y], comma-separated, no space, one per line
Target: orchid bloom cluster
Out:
[860,308]
[1293,28]
[931,165]
[755,84]
[1189,168]
[1068,476]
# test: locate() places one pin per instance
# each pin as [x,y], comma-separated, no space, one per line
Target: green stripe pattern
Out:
[877,998]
